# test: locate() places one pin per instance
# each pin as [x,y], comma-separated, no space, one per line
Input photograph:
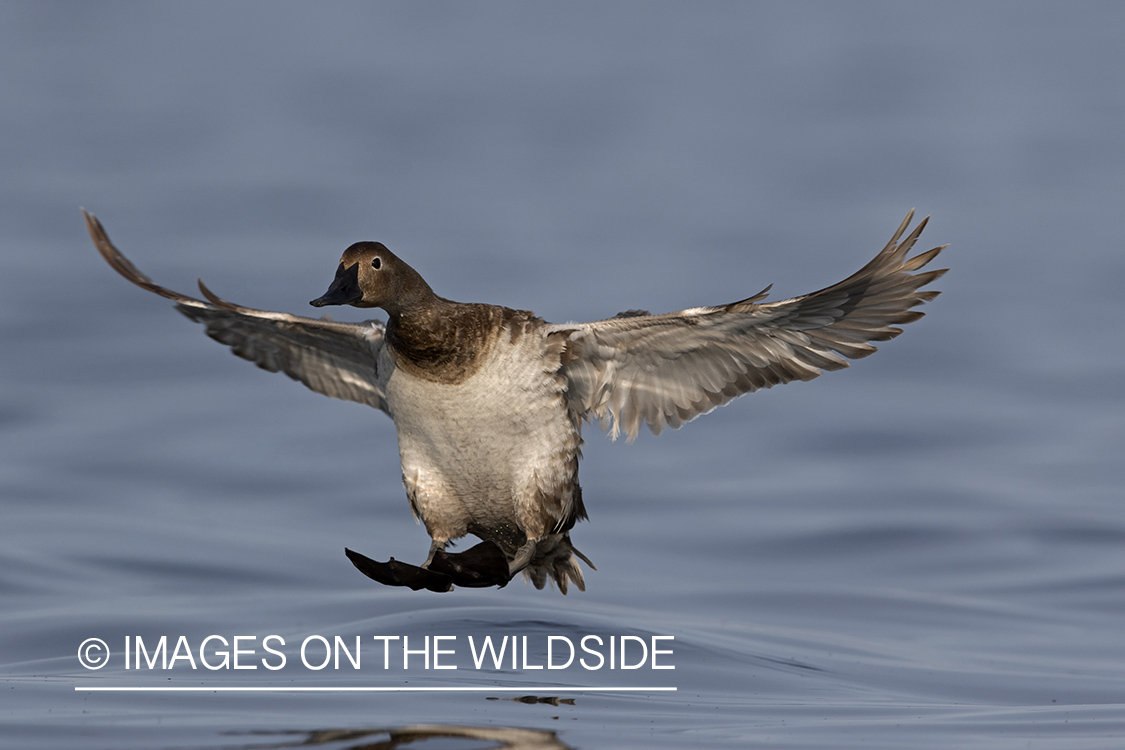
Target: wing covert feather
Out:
[667,369]
[335,359]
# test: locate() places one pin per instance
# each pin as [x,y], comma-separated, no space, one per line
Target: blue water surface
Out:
[926,550]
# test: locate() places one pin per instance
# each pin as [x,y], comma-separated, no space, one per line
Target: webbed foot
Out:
[395,573]
[477,567]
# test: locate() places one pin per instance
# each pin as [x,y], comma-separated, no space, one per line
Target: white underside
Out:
[482,450]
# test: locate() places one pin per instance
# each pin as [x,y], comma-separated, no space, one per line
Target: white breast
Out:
[482,451]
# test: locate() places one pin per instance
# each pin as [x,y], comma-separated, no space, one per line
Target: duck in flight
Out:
[489,402]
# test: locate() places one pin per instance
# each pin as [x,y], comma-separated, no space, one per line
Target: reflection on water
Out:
[549,700]
[415,736]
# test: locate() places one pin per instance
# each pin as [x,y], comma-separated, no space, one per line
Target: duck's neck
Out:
[442,341]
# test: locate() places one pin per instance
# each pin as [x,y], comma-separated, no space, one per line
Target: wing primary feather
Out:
[624,371]
[339,360]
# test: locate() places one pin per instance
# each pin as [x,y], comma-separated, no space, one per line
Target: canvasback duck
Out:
[489,402]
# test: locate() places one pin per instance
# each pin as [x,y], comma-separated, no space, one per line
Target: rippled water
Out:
[924,550]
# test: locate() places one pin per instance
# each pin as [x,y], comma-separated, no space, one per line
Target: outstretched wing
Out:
[336,359]
[668,369]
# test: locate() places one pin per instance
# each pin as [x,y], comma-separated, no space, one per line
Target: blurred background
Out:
[922,550]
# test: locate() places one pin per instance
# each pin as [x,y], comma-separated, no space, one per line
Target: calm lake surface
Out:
[926,550]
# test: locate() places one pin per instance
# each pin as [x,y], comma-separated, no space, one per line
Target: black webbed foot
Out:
[395,573]
[477,567]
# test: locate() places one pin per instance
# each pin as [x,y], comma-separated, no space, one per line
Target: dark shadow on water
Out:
[550,700]
[411,736]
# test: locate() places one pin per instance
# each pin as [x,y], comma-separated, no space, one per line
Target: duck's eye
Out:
[376,262]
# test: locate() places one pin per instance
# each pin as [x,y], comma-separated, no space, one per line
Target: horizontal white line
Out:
[271,689]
